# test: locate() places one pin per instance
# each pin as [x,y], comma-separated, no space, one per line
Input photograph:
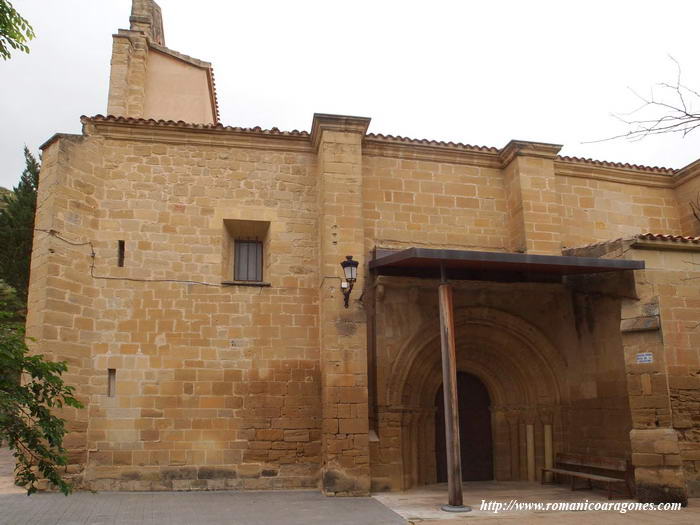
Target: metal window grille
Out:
[248,261]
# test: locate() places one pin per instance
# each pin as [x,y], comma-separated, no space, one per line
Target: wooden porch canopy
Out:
[474,265]
[495,266]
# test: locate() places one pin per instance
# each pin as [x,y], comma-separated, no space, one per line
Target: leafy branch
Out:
[31,388]
[15,31]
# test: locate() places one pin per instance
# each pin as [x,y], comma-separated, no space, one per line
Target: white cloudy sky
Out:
[476,72]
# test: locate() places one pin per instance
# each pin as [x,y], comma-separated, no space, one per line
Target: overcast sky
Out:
[475,72]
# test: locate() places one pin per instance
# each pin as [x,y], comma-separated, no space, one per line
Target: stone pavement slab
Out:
[196,508]
[422,506]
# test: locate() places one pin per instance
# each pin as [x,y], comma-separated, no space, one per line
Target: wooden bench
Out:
[608,471]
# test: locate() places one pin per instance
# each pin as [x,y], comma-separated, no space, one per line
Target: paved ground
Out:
[422,506]
[419,506]
[179,508]
[176,508]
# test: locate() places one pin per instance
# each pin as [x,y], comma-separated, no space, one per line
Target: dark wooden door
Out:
[474,430]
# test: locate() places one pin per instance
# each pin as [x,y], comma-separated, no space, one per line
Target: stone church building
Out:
[190,274]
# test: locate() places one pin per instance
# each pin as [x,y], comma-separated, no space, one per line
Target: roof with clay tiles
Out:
[668,238]
[217,115]
[428,142]
[396,139]
[188,125]
[604,245]
[624,165]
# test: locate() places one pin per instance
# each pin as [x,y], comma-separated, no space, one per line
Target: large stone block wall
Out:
[267,387]
[62,319]
[600,210]
[343,343]
[671,285]
[598,416]
[216,386]
[413,202]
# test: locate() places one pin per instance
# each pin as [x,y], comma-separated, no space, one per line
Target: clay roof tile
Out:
[668,238]
[189,125]
[407,140]
[653,169]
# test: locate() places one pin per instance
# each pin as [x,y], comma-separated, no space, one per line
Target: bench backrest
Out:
[599,462]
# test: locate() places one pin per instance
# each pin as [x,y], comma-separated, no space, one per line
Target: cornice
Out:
[610,173]
[430,151]
[121,128]
[686,173]
[342,123]
[518,148]
[59,136]
[381,146]
[179,56]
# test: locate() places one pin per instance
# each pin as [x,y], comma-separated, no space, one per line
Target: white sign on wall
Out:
[645,357]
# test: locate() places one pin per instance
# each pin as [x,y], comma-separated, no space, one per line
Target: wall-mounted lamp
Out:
[350,270]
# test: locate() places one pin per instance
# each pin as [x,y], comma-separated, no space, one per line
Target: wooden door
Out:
[474,430]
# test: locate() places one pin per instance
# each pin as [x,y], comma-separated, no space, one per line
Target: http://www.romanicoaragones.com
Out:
[621,506]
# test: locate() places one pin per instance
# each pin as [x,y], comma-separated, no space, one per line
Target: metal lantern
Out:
[350,268]
[350,271]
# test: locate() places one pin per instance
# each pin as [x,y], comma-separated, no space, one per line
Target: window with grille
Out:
[248,261]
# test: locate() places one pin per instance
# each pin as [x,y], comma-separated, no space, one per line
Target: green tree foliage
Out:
[3,192]
[15,31]
[33,433]
[17,228]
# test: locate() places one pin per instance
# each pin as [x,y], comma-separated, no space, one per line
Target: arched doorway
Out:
[474,430]
[521,370]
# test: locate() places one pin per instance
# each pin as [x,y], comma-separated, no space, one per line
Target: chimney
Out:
[146,17]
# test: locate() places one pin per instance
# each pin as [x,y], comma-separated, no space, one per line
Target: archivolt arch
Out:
[503,350]
[520,367]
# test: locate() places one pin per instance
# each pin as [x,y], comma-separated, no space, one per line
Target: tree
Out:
[15,31]
[30,389]
[670,108]
[17,228]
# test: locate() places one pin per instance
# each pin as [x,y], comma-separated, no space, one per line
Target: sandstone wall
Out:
[601,210]
[410,202]
[216,386]
[220,385]
[670,390]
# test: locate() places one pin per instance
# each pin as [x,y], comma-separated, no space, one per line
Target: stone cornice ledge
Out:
[379,146]
[206,135]
[687,173]
[343,123]
[519,148]
[584,170]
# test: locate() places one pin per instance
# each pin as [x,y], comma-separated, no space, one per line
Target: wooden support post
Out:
[449,383]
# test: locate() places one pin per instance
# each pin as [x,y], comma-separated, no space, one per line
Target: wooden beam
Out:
[449,381]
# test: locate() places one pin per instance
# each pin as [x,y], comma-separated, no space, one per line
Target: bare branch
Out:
[675,114]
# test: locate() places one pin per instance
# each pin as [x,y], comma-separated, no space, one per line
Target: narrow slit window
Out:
[111,382]
[248,261]
[120,253]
